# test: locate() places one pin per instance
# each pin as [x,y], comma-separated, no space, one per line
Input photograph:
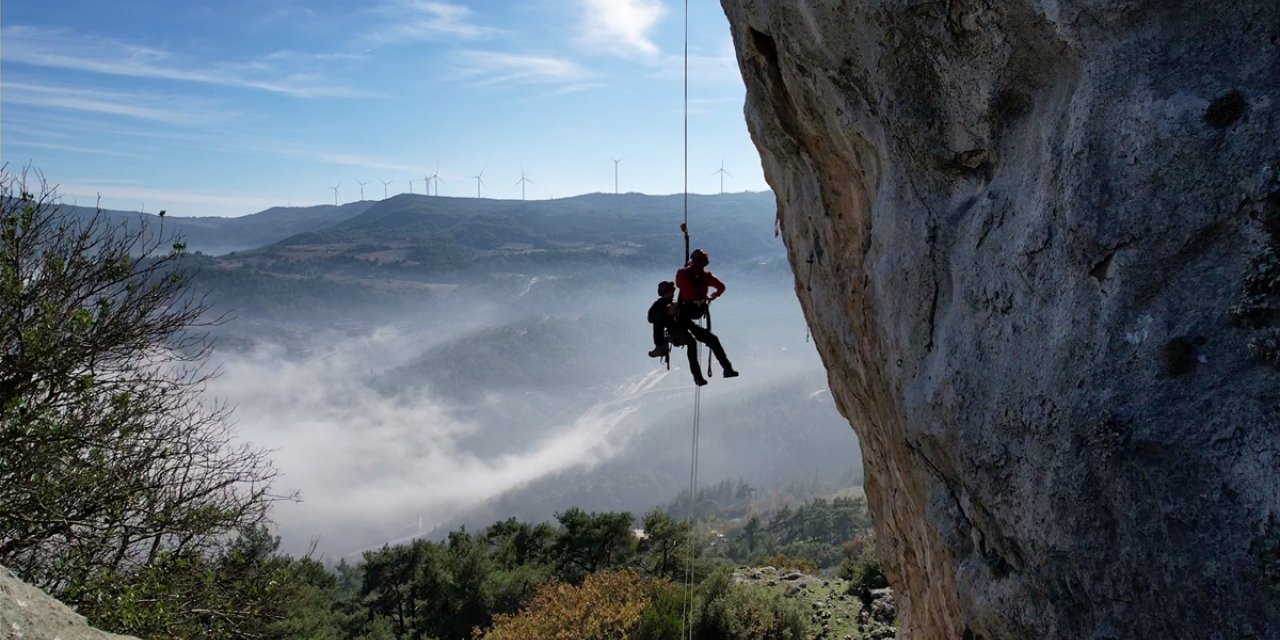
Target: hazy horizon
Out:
[63,201]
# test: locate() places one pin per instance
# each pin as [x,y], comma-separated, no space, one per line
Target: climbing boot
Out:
[730,373]
[658,352]
[699,380]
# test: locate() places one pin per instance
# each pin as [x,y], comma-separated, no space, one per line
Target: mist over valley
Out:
[434,362]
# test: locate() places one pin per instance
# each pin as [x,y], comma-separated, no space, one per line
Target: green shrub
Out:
[664,619]
[735,612]
[781,561]
[861,566]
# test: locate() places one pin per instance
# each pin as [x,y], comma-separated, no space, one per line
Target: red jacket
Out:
[693,284]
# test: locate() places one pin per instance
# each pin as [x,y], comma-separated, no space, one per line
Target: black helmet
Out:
[699,257]
[666,287]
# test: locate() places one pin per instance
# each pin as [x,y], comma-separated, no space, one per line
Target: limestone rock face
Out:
[26,613]
[1036,243]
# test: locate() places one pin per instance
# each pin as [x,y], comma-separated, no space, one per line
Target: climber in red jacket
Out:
[693,281]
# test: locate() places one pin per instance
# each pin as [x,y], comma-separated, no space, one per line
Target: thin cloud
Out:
[622,27]
[337,158]
[490,67]
[718,69]
[228,141]
[72,148]
[161,198]
[424,20]
[63,50]
[103,102]
[562,91]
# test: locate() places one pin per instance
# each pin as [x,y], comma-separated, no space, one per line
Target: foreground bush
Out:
[246,591]
[607,606]
[861,566]
[731,612]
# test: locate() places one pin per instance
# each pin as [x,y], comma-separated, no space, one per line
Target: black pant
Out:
[687,331]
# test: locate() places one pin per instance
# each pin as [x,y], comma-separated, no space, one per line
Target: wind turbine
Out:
[521,182]
[615,173]
[435,175]
[362,184]
[335,193]
[722,173]
[411,186]
[387,182]
[479,181]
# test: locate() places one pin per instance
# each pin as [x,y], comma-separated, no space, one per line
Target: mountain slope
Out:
[215,235]
[426,233]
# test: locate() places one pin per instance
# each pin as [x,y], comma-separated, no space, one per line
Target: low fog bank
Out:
[522,399]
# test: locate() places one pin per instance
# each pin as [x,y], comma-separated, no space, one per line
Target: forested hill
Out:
[216,235]
[435,233]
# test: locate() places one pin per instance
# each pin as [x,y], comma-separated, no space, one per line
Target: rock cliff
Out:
[26,613]
[1036,242]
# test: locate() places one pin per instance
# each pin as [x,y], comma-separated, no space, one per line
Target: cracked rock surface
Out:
[1036,242]
[26,613]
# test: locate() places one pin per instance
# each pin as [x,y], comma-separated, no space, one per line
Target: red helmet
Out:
[699,257]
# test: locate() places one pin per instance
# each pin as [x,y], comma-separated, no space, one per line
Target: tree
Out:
[390,577]
[109,455]
[751,533]
[591,542]
[247,591]
[604,607]
[665,547]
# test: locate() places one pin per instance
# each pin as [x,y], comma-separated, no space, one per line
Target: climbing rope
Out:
[697,390]
[693,520]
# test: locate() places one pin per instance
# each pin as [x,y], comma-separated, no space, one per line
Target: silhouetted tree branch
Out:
[109,453]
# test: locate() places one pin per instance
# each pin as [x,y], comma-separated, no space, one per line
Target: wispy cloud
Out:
[55,146]
[114,193]
[419,20]
[704,70]
[491,67]
[105,102]
[331,157]
[257,143]
[622,27]
[64,50]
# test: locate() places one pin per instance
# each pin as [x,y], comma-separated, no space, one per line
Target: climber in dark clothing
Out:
[693,281]
[662,315]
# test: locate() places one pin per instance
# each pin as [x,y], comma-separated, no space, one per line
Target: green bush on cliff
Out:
[861,566]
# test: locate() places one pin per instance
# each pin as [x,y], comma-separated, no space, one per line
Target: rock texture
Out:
[26,613]
[1036,242]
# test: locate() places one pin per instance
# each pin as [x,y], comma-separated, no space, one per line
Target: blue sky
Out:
[227,108]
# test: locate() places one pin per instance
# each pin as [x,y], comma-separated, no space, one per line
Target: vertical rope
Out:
[697,391]
[693,513]
[686,114]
